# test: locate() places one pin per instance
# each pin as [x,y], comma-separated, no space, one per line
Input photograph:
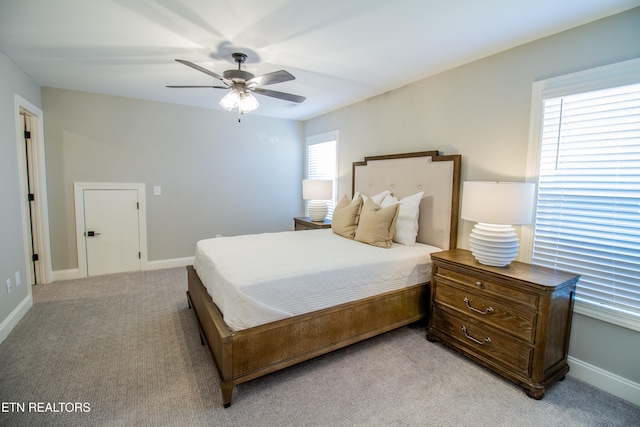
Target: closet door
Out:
[112,231]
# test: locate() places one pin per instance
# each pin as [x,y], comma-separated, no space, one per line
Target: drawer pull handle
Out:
[479,284]
[475,340]
[487,311]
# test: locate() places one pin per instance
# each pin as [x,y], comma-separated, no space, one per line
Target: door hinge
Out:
[27,134]
[138,205]
[34,257]
[139,255]
[31,197]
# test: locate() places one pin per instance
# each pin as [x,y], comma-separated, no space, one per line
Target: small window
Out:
[322,162]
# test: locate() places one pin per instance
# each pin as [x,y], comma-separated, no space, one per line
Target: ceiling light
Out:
[240,99]
[247,103]
[230,100]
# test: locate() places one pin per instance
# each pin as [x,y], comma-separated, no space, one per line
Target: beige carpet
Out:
[125,347]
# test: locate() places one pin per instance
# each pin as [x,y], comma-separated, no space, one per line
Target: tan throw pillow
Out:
[377,225]
[345,217]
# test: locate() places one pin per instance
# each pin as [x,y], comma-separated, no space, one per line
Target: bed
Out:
[284,334]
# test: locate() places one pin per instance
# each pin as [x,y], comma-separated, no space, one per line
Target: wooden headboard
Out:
[409,173]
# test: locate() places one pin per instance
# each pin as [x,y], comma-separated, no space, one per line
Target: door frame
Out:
[41,244]
[78,194]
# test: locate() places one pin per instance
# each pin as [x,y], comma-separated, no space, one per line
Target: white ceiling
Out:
[340,51]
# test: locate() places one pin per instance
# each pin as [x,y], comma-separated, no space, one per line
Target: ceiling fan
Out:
[242,84]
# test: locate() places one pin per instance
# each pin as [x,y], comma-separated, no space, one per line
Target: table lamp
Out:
[317,191]
[495,207]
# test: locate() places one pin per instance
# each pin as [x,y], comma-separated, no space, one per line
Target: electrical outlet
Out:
[18,278]
[9,288]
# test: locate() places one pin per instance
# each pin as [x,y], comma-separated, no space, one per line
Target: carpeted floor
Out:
[123,350]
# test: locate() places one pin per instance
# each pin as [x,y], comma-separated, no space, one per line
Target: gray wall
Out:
[481,111]
[14,81]
[217,176]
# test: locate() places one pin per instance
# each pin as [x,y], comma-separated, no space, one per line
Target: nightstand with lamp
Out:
[511,317]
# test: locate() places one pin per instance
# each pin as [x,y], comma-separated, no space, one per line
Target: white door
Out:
[112,231]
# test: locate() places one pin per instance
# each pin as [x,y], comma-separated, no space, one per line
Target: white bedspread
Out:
[260,278]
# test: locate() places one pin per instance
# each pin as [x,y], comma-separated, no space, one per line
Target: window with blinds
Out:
[321,162]
[588,204]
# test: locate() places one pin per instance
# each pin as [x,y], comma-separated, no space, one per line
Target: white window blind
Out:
[321,162]
[588,203]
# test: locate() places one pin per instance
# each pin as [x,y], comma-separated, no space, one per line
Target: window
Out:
[587,159]
[321,162]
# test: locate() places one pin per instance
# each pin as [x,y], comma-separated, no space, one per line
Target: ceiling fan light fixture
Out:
[247,103]
[231,100]
[243,101]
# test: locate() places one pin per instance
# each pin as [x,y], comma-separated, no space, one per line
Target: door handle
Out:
[91,234]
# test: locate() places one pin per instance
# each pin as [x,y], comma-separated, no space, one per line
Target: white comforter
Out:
[260,278]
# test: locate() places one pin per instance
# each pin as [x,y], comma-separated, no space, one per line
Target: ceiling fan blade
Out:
[271,78]
[201,69]
[280,95]
[214,87]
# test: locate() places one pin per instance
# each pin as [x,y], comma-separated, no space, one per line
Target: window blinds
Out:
[588,204]
[321,164]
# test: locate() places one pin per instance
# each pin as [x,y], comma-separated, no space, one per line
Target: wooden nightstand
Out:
[305,223]
[514,320]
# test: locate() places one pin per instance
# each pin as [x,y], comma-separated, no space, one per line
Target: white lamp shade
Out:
[317,189]
[509,203]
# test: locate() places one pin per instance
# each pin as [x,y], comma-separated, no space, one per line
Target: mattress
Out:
[260,278]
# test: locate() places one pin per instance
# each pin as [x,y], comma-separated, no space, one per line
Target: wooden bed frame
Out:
[240,356]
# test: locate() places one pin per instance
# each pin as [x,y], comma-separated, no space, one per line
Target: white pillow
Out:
[407,222]
[378,198]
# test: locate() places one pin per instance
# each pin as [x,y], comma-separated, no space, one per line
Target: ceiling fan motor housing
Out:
[238,75]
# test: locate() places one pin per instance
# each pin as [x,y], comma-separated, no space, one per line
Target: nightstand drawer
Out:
[488,286]
[508,317]
[305,223]
[484,342]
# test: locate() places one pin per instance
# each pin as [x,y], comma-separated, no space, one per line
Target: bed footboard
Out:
[250,353]
[213,331]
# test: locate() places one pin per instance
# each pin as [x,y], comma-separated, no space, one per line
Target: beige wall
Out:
[217,176]
[481,111]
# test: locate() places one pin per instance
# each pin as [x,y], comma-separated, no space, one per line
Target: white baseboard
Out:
[16,315]
[605,380]
[168,263]
[70,274]
[75,273]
